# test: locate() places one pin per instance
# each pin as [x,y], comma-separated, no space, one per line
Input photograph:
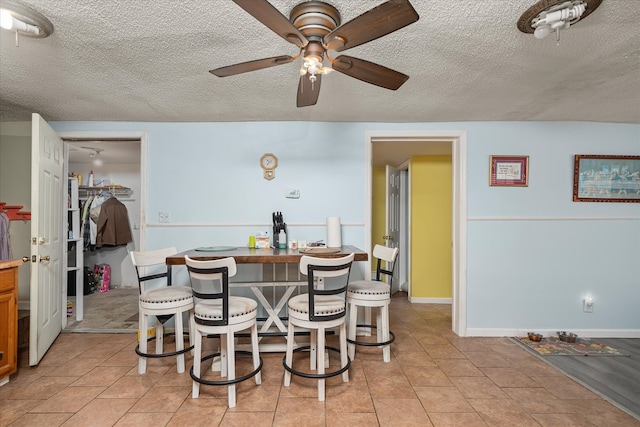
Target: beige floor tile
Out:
[128,387]
[443,351]
[442,399]
[565,388]
[568,420]
[40,420]
[414,358]
[70,399]
[401,412]
[486,359]
[508,377]
[244,419]
[102,376]
[144,419]
[477,387]
[342,399]
[342,419]
[458,368]
[459,419]
[11,410]
[199,413]
[426,376]
[162,399]
[502,412]
[434,378]
[100,412]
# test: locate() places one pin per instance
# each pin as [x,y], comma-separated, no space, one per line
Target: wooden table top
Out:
[244,255]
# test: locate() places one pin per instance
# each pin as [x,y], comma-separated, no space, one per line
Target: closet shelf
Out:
[14,213]
[85,191]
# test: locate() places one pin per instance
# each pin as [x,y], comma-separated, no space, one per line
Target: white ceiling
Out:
[149,61]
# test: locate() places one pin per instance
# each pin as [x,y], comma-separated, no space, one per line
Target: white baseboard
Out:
[582,333]
[24,305]
[430,300]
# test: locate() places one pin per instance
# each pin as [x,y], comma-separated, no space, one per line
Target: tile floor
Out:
[435,378]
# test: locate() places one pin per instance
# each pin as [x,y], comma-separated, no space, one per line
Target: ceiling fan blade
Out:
[377,22]
[369,72]
[245,67]
[308,93]
[271,17]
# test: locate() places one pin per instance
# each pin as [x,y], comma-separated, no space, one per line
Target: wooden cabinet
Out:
[8,318]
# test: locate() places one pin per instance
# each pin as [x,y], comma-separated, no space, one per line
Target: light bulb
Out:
[542,31]
[6,20]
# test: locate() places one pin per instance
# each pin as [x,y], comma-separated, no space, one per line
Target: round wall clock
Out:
[269,162]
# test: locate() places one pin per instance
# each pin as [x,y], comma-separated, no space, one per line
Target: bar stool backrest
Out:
[384,253]
[338,270]
[151,267]
[210,281]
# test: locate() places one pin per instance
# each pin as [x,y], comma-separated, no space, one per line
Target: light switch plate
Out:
[292,193]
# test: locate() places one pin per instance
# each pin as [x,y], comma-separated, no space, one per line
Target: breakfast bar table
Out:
[273,324]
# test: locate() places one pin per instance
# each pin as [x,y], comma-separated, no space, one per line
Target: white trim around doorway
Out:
[458,140]
[106,135]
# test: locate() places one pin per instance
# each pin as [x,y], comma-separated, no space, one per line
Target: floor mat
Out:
[551,346]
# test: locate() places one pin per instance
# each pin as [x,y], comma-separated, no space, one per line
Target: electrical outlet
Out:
[163,217]
[587,305]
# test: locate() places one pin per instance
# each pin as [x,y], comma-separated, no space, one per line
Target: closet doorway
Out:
[117,161]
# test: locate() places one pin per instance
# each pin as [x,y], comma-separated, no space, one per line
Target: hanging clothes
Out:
[85,229]
[93,222]
[5,245]
[113,224]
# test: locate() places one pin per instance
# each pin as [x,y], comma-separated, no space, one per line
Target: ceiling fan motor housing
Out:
[315,19]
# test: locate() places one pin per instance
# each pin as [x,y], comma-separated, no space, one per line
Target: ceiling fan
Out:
[314,27]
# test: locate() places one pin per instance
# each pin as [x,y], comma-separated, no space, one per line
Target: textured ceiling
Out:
[148,60]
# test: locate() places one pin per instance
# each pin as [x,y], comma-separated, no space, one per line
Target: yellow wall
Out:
[431,192]
[431,213]
[378,206]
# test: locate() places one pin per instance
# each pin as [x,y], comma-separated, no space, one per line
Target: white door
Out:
[47,180]
[392,231]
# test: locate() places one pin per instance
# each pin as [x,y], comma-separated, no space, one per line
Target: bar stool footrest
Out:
[316,376]
[372,344]
[155,355]
[226,382]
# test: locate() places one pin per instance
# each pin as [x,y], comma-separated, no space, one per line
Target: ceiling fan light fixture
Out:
[548,16]
[95,155]
[23,20]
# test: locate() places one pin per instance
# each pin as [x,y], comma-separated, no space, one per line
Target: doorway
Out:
[117,159]
[408,143]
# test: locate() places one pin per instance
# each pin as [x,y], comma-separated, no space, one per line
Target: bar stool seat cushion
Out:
[240,309]
[324,305]
[368,288]
[167,295]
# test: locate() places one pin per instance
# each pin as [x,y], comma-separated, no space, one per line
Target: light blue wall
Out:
[532,253]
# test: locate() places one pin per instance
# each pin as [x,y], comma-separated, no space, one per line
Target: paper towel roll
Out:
[334,237]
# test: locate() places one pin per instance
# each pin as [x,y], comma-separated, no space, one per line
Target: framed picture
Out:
[604,178]
[509,170]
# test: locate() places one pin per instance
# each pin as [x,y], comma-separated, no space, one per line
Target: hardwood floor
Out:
[614,378]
